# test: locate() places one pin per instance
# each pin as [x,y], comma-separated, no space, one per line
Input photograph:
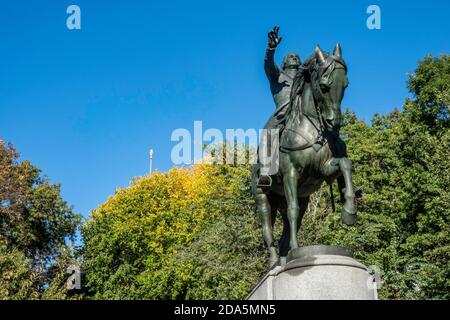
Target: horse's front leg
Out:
[290,182]
[285,237]
[349,207]
[343,168]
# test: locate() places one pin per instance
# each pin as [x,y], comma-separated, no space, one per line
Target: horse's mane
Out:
[307,73]
[304,75]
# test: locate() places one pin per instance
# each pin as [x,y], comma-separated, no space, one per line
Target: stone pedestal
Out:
[317,273]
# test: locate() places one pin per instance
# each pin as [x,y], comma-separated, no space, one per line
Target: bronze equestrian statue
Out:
[310,150]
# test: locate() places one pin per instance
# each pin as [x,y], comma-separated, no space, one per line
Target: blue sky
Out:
[85,105]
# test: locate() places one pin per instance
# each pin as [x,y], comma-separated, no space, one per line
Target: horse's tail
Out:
[333,206]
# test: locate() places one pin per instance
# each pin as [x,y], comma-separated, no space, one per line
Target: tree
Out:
[136,243]
[400,162]
[35,222]
[430,85]
[348,117]
[17,280]
[228,256]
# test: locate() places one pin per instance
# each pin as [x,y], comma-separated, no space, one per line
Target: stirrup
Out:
[264,182]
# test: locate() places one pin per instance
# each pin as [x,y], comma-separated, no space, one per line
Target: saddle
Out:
[299,136]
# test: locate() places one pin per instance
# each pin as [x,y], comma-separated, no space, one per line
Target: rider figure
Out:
[280,81]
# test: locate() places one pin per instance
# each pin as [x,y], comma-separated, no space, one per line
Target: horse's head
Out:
[330,84]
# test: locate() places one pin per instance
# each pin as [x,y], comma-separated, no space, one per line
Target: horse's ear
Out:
[337,51]
[319,55]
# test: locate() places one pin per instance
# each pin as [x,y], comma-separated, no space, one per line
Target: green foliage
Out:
[401,165]
[151,240]
[57,272]
[348,117]
[430,85]
[17,280]
[227,258]
[35,223]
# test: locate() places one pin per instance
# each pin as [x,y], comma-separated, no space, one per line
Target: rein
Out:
[316,73]
[315,84]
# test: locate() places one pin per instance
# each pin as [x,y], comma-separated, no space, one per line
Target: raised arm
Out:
[272,70]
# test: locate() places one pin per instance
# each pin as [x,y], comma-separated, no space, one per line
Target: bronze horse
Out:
[310,151]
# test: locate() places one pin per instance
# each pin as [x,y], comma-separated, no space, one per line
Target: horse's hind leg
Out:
[285,235]
[265,214]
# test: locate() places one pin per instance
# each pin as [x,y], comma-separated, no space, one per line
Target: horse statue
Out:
[310,152]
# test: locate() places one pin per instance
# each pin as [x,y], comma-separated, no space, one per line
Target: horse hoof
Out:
[273,261]
[348,218]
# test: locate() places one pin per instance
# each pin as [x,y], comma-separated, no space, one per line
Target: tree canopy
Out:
[35,223]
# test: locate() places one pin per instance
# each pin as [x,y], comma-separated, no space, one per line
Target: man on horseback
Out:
[311,152]
[280,81]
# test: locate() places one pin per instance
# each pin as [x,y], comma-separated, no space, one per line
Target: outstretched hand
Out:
[274,41]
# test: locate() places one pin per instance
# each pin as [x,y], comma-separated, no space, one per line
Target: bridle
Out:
[318,74]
